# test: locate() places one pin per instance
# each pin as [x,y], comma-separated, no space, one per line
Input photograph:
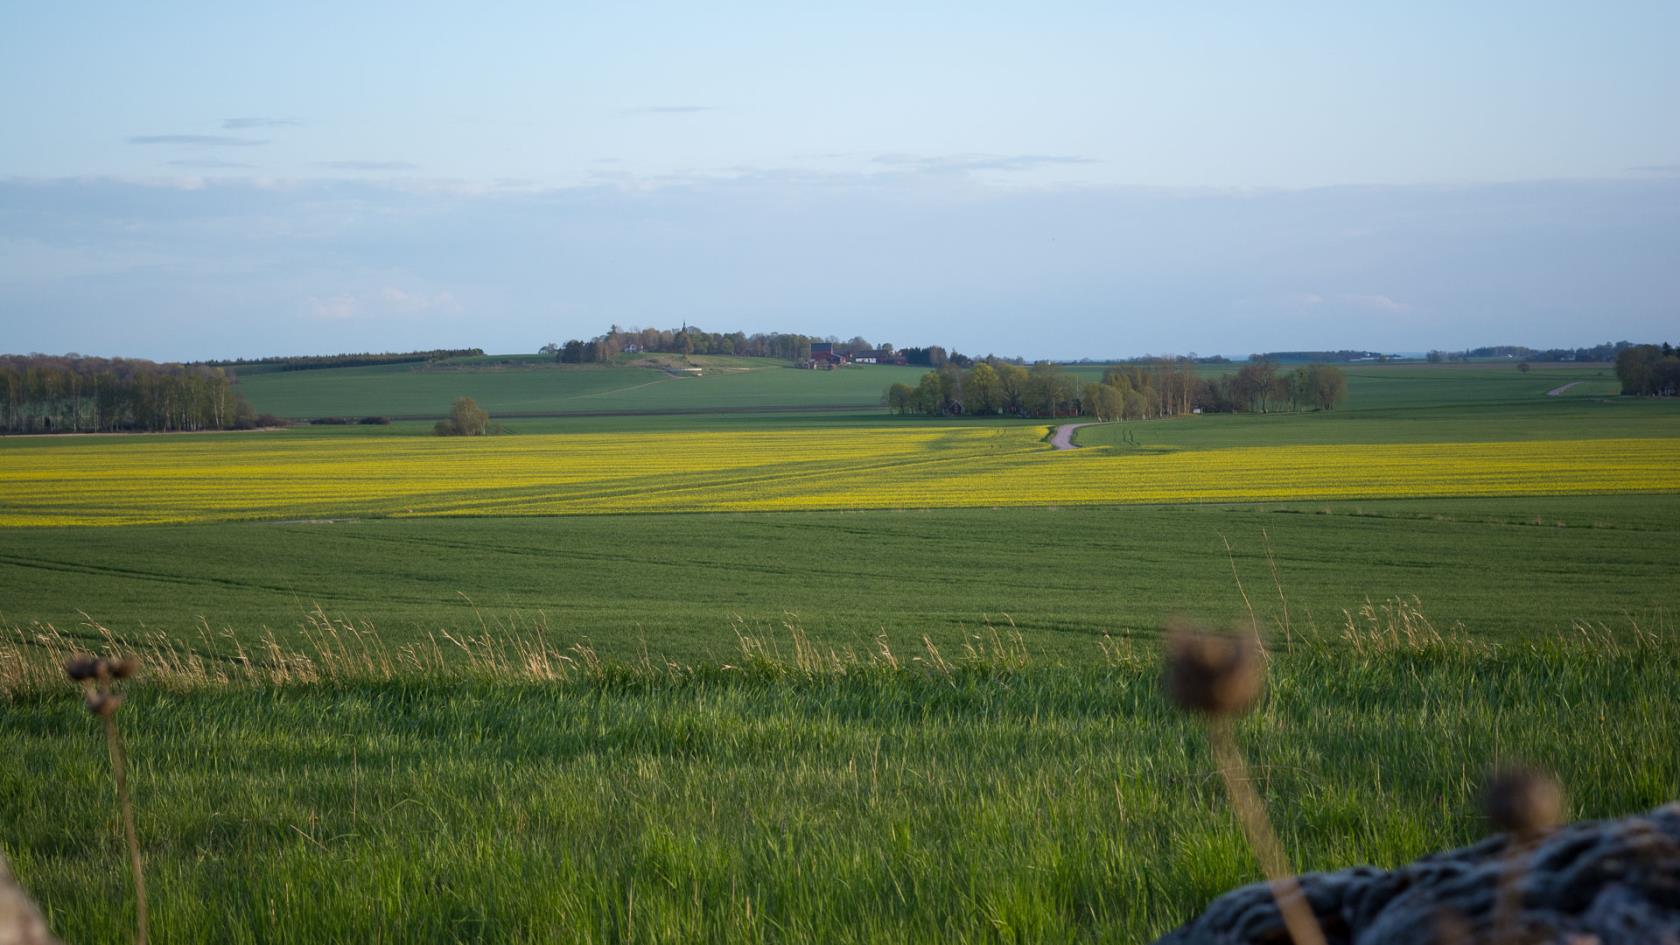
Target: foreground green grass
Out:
[997,799]
[677,584]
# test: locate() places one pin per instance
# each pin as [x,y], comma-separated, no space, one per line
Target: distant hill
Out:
[311,362]
[522,385]
[1322,357]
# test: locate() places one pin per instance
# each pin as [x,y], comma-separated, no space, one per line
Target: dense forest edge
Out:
[1165,388]
[41,394]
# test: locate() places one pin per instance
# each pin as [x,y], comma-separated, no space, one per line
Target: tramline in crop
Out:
[185,479]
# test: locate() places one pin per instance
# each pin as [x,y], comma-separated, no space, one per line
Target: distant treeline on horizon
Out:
[689,339]
[794,346]
[310,362]
[1607,351]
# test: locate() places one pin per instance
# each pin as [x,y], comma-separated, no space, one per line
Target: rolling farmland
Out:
[674,675]
[545,388]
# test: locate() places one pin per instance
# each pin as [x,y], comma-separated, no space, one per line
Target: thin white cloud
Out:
[1376,303]
[370,165]
[669,110]
[964,163]
[240,124]
[387,302]
[210,164]
[244,266]
[198,141]
[402,300]
[333,308]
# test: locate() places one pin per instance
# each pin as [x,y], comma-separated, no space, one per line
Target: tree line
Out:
[690,339]
[310,362]
[685,340]
[1164,388]
[1607,351]
[1320,357]
[43,394]
[1649,370]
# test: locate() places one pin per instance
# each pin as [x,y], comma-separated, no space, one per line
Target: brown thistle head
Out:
[1523,801]
[104,703]
[1213,674]
[82,668]
[125,668]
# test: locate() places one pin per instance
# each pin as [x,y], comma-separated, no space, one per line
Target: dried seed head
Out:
[104,703]
[1214,674]
[1523,801]
[125,668]
[81,667]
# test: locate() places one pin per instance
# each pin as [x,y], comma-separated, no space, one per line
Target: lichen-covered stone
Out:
[1609,882]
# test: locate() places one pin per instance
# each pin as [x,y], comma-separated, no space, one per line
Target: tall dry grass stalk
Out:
[1397,623]
[1283,622]
[1219,677]
[517,648]
[98,678]
[1257,828]
[761,649]
[522,647]
[1253,621]
[1645,631]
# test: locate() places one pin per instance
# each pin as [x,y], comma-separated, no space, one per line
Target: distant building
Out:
[824,355]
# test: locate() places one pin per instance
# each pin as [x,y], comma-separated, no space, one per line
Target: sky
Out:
[196,180]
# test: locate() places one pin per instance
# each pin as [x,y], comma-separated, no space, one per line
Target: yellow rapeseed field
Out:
[130,480]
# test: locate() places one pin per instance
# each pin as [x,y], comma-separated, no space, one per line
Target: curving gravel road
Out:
[1063,440]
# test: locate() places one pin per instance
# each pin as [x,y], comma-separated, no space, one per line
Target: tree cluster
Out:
[692,340]
[1163,388]
[1649,370]
[685,340]
[466,418]
[71,394]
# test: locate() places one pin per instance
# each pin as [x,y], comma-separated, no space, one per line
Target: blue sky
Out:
[189,180]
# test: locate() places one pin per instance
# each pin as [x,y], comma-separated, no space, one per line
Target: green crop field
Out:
[538,387]
[841,677]
[524,385]
[678,585]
